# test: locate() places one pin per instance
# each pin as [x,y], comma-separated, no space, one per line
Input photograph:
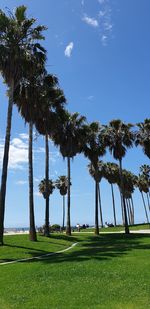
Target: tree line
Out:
[42,105]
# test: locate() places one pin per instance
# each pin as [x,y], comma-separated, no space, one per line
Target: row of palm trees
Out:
[41,103]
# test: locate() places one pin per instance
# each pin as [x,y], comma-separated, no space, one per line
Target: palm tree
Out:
[97,174]
[46,191]
[145,170]
[111,173]
[129,181]
[53,99]
[143,187]
[62,185]
[143,136]
[119,137]
[69,136]
[18,39]
[93,149]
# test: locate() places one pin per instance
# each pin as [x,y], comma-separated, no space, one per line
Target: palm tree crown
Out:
[143,136]
[42,187]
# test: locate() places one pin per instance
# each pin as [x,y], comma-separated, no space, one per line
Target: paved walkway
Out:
[40,257]
[86,232]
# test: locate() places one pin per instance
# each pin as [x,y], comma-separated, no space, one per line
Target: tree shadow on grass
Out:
[103,247]
[33,252]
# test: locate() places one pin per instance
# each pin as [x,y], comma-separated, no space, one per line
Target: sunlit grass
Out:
[109,271]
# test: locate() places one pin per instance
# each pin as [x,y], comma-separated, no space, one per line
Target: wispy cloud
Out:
[21,182]
[90,21]
[68,49]
[102,21]
[101,1]
[37,194]
[24,136]
[90,97]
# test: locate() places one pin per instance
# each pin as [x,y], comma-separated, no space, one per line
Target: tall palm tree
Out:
[18,39]
[53,98]
[46,191]
[143,136]
[119,137]
[94,148]
[62,185]
[97,173]
[145,170]
[69,136]
[28,98]
[129,181]
[111,173]
[143,187]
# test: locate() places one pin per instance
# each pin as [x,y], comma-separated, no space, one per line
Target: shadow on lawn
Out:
[34,252]
[103,247]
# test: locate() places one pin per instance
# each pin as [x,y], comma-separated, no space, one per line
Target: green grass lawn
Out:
[109,271]
[120,228]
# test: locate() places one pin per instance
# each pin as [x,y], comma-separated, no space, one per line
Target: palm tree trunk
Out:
[5,163]
[148,201]
[96,209]
[63,225]
[100,205]
[123,200]
[132,205]
[121,206]
[32,234]
[145,207]
[68,227]
[127,208]
[113,200]
[46,231]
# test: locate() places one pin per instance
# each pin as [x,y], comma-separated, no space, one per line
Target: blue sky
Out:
[99,49]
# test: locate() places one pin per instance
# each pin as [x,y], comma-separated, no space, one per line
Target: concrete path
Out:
[40,257]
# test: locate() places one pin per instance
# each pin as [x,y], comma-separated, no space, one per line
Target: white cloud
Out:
[90,21]
[68,49]
[101,1]
[36,179]
[18,154]
[38,194]
[82,2]
[104,40]
[90,97]
[24,136]
[21,182]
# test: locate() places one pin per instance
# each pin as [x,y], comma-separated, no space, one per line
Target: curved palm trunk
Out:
[100,205]
[145,207]
[5,163]
[113,200]
[129,211]
[68,227]
[123,200]
[96,209]
[32,234]
[63,224]
[46,230]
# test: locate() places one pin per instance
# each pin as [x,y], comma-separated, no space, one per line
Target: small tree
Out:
[46,192]
[62,185]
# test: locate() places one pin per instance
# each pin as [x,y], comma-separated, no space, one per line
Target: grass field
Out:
[109,271]
[120,228]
